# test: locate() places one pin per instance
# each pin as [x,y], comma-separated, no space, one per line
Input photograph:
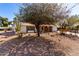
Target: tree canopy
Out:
[43,13]
[73,20]
[4,21]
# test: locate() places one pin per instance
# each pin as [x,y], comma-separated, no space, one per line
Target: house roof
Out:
[46,25]
[27,24]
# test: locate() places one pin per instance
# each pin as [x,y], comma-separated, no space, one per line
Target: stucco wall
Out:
[23,29]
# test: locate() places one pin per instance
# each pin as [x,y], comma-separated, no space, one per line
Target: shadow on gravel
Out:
[30,46]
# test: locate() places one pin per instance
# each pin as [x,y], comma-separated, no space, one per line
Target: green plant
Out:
[18,26]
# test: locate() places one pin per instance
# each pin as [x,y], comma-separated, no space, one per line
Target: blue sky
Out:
[9,9]
[75,10]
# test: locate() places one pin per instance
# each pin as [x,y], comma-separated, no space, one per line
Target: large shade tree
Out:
[43,13]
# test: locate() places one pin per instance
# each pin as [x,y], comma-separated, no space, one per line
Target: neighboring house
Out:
[13,26]
[27,27]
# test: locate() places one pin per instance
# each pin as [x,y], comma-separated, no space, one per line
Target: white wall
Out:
[54,28]
[23,29]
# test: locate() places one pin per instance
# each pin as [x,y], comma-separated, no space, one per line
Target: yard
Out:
[44,29]
[29,46]
[49,44]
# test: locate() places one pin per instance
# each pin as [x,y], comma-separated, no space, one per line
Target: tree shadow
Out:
[30,46]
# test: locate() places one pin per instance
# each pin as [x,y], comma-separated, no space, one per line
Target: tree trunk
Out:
[38,30]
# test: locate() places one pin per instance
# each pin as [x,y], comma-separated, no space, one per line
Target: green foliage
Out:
[9,23]
[18,27]
[73,20]
[42,13]
[17,23]
[71,23]
[4,21]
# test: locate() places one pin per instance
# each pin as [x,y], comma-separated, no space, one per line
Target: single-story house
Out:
[27,27]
